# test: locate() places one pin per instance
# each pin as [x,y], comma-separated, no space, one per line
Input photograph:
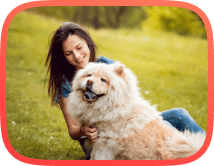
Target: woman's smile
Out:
[80,60]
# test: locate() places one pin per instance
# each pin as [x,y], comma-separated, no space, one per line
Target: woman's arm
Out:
[73,127]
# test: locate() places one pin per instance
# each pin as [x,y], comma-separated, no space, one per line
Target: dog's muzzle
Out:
[88,94]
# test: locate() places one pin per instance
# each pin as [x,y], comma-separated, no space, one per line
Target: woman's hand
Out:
[90,132]
[73,127]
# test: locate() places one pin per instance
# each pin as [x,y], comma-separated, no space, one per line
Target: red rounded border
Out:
[106,3]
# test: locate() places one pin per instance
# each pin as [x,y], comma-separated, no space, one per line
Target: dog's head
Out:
[101,92]
[98,81]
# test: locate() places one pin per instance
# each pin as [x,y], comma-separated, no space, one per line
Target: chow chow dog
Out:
[108,97]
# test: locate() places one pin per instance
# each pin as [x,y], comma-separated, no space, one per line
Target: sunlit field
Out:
[172,72]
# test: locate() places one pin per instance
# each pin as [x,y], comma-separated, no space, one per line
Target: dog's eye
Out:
[103,80]
[89,75]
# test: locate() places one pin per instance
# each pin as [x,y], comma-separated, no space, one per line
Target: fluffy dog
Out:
[129,127]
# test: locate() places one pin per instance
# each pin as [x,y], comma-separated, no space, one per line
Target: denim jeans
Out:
[178,118]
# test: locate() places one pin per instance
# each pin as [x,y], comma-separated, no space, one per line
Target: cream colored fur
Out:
[129,127]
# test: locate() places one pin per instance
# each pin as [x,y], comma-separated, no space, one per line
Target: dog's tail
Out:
[186,145]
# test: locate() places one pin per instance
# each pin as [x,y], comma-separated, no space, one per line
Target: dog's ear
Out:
[119,70]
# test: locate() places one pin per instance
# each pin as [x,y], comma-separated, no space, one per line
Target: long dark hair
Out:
[58,67]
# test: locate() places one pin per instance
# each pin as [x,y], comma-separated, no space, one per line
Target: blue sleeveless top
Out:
[66,87]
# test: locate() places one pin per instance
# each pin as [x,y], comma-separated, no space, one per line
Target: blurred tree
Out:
[85,11]
[124,16]
[113,15]
[180,20]
[95,21]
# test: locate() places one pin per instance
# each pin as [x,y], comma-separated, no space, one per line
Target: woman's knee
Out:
[178,112]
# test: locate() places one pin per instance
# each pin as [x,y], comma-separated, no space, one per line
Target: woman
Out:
[70,50]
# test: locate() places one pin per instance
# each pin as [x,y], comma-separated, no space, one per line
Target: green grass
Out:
[172,72]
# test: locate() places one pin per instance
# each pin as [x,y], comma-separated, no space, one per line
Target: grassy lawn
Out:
[172,72]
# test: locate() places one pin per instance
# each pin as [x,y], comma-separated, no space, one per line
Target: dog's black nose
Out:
[89,84]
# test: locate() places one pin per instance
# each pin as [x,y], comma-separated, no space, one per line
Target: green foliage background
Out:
[180,20]
[174,19]
[172,71]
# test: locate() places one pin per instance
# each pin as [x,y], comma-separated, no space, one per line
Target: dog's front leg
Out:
[101,152]
[104,154]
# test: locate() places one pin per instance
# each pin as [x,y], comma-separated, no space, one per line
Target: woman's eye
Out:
[79,48]
[103,80]
[68,54]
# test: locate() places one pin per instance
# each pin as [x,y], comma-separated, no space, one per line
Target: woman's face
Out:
[76,51]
